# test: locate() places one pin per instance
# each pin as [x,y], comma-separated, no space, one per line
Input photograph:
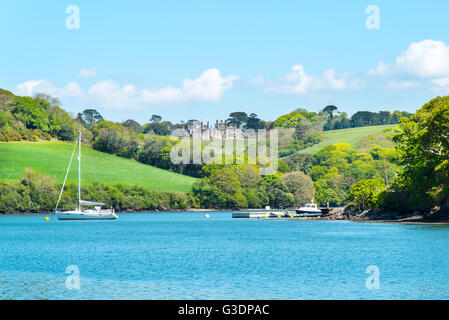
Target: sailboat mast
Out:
[79,172]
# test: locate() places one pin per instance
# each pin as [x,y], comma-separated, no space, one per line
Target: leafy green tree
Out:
[226,180]
[248,175]
[384,117]
[6,119]
[155,118]
[133,125]
[300,185]
[153,150]
[277,193]
[364,118]
[326,194]
[15,197]
[163,128]
[283,167]
[338,167]
[221,189]
[31,112]
[53,102]
[329,110]
[290,120]
[42,189]
[255,197]
[66,133]
[253,122]
[236,119]
[108,140]
[300,162]
[364,194]
[130,148]
[6,99]
[423,148]
[90,116]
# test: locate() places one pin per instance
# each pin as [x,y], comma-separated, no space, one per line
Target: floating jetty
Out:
[266,214]
[249,214]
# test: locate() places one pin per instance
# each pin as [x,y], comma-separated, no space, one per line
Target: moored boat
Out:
[309,209]
[96,213]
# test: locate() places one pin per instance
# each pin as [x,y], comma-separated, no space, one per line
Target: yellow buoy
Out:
[47,218]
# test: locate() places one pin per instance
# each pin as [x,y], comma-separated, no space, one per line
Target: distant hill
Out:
[52,158]
[352,136]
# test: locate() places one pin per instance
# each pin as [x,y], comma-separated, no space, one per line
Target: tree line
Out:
[36,192]
[361,118]
[422,152]
[332,175]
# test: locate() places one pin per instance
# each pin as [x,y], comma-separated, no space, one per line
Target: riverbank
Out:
[377,216]
[125,211]
[335,214]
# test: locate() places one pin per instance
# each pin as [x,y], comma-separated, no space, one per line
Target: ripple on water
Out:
[181,256]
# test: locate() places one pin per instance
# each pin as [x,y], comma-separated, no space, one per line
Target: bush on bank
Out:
[36,192]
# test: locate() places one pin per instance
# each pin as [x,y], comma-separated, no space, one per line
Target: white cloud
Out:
[88,73]
[381,70]
[111,95]
[298,82]
[210,86]
[29,88]
[401,85]
[441,86]
[425,59]
[424,64]
[441,82]
[257,81]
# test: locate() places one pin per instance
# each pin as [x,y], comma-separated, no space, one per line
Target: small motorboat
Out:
[309,210]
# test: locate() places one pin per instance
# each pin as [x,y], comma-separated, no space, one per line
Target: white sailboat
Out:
[96,213]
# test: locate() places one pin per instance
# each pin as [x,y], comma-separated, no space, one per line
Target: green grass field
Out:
[351,136]
[52,158]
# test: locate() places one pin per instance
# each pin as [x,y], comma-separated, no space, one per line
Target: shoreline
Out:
[128,211]
[331,216]
[400,221]
[371,216]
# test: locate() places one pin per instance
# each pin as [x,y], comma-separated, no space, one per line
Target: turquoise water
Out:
[183,256]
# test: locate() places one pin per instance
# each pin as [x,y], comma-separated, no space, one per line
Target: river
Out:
[185,255]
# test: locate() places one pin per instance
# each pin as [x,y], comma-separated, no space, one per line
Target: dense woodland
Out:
[337,174]
[422,152]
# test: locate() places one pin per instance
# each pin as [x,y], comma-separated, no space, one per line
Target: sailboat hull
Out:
[86,215]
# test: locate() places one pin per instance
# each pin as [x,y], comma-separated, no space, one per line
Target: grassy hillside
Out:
[52,158]
[351,136]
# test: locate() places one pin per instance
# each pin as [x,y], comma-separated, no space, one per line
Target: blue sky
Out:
[204,59]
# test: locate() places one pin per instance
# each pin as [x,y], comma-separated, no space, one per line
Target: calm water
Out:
[183,256]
